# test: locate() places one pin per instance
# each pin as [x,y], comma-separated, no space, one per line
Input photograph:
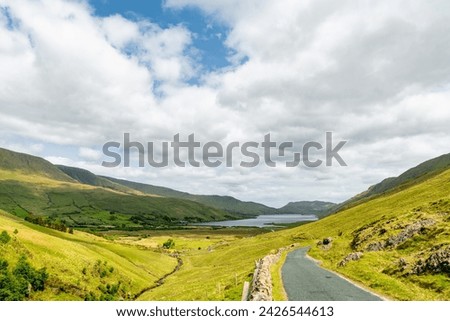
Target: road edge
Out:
[355,283]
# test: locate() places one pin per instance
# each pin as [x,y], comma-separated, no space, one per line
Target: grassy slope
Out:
[227,203]
[212,275]
[409,178]
[319,208]
[84,205]
[65,256]
[13,161]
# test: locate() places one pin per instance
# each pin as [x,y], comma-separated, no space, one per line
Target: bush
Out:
[4,237]
[16,286]
[49,222]
[35,277]
[168,244]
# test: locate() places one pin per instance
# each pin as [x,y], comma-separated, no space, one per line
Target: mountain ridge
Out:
[412,176]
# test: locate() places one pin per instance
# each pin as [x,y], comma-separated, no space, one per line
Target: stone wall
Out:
[261,287]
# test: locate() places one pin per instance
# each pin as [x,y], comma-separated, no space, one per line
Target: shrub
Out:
[168,244]
[35,277]
[16,286]
[4,237]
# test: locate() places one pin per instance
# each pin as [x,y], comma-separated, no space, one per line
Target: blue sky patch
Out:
[208,34]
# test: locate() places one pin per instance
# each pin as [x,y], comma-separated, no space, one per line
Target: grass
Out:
[278,292]
[212,275]
[215,268]
[81,263]
[85,206]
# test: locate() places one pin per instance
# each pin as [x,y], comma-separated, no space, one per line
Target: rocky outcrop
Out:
[437,262]
[355,256]
[376,246]
[408,232]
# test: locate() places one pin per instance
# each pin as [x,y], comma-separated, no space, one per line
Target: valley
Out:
[119,242]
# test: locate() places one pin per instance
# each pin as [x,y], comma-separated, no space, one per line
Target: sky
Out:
[76,74]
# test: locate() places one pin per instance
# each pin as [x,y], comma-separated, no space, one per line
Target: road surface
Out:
[304,280]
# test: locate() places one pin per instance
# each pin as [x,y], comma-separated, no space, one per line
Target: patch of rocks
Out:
[437,262]
[355,256]
[376,246]
[408,232]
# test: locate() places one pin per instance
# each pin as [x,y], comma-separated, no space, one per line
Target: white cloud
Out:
[90,154]
[375,73]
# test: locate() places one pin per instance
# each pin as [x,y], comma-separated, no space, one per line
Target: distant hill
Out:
[227,203]
[318,208]
[33,186]
[86,177]
[409,178]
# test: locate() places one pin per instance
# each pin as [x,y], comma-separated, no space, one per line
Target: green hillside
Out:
[31,187]
[79,266]
[412,176]
[85,206]
[318,208]
[86,177]
[28,164]
[227,203]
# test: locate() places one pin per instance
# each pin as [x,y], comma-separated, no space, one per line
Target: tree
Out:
[4,237]
[168,244]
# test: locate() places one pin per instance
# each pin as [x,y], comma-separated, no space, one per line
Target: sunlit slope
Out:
[412,176]
[220,273]
[399,235]
[82,265]
[28,164]
[80,205]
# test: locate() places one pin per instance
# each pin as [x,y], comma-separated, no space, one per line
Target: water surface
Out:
[270,220]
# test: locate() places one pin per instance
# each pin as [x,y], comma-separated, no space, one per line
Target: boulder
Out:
[355,256]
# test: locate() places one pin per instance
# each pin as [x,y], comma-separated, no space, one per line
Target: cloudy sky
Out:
[77,74]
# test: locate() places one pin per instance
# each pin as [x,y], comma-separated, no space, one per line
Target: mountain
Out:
[318,208]
[409,178]
[31,187]
[28,164]
[227,203]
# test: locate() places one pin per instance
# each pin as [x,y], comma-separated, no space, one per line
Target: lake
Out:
[271,220]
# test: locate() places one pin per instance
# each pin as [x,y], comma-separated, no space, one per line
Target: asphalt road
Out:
[304,280]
